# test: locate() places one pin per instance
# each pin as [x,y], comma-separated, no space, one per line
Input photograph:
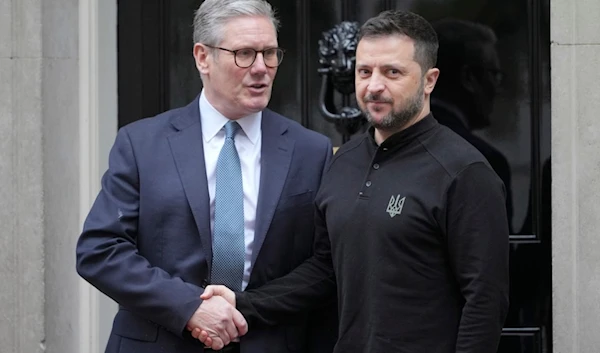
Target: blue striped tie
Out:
[228,234]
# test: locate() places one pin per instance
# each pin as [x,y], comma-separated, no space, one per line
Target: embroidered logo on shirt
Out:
[395,205]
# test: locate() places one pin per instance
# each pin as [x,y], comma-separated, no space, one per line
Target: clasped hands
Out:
[217,322]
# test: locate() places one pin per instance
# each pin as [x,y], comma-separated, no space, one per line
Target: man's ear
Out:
[202,58]
[431,77]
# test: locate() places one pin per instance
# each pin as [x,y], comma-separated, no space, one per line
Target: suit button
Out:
[375,166]
[368,183]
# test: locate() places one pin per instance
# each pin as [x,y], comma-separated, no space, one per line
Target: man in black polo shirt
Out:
[411,219]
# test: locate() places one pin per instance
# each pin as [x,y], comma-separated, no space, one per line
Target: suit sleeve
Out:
[307,287]
[107,255]
[323,321]
[477,235]
[328,158]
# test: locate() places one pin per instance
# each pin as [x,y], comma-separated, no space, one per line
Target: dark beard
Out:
[397,119]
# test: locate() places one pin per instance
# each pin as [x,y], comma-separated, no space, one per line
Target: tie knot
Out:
[231,129]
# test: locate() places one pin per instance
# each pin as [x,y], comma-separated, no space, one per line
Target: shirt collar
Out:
[405,136]
[213,121]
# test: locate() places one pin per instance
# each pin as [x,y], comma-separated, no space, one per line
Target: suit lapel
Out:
[276,156]
[188,153]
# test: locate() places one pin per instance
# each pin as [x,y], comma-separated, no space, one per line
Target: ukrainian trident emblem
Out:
[395,205]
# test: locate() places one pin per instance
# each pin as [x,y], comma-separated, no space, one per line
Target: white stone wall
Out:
[21,178]
[575,33]
[60,114]
[39,171]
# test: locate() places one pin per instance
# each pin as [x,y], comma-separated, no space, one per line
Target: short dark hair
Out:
[395,22]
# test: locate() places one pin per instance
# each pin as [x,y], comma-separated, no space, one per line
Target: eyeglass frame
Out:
[262,52]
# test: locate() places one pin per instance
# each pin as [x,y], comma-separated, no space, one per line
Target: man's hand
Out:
[205,336]
[221,291]
[220,321]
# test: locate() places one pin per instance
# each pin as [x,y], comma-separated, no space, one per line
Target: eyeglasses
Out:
[245,57]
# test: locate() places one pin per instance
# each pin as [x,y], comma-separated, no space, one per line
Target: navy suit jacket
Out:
[147,244]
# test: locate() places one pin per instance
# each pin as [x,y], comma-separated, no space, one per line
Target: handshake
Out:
[217,322]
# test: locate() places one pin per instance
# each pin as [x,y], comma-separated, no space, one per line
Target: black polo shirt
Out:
[415,233]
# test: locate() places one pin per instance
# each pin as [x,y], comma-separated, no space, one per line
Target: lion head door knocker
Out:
[337,58]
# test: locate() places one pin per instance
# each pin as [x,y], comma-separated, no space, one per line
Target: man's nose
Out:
[376,84]
[258,66]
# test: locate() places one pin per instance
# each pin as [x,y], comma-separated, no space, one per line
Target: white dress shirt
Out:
[248,145]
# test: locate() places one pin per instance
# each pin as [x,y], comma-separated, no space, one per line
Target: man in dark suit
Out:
[218,192]
[464,95]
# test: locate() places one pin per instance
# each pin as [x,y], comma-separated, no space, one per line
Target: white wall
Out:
[107,126]
[98,113]
[58,118]
[22,66]
[575,34]
[60,124]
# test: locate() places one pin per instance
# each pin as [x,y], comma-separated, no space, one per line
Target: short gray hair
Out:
[212,15]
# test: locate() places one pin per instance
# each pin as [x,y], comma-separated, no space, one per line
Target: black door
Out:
[157,72]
